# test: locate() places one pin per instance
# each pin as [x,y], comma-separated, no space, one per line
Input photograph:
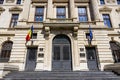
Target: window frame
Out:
[118,2]
[63,15]
[80,14]
[18,1]
[6,52]
[34,36]
[39,15]
[1,2]
[107,19]
[14,18]
[102,2]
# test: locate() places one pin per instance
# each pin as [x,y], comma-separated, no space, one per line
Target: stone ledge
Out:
[113,67]
[8,67]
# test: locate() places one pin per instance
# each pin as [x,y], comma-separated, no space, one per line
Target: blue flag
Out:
[32,28]
[90,32]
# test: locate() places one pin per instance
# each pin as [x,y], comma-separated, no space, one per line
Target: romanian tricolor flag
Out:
[29,35]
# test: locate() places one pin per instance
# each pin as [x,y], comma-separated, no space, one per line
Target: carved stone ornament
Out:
[118,10]
[10,1]
[105,9]
[15,9]
[75,32]
[47,31]
[2,9]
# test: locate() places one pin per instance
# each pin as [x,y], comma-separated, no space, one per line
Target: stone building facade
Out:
[61,37]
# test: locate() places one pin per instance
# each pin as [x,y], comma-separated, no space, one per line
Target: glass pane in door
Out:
[56,53]
[66,52]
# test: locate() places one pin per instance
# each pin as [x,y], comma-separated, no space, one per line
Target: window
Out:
[107,21]
[61,12]
[39,13]
[1,1]
[14,20]
[102,2]
[34,36]
[18,2]
[118,1]
[82,14]
[6,51]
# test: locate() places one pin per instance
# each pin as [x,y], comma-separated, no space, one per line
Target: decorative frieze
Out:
[105,9]
[10,1]
[16,9]
[110,1]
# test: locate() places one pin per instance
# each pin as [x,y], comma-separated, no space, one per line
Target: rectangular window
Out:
[82,14]
[1,1]
[107,21]
[14,20]
[18,2]
[102,2]
[61,12]
[118,1]
[39,14]
[34,36]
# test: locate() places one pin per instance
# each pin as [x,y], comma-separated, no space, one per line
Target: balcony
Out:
[65,23]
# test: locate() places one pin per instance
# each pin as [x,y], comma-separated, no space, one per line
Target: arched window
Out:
[6,51]
[115,47]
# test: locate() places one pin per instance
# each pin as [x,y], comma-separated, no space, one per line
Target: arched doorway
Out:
[61,57]
[115,47]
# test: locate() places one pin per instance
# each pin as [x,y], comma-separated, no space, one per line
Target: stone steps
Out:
[61,75]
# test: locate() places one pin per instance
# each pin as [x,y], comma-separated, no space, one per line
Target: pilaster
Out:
[94,5]
[49,9]
[72,8]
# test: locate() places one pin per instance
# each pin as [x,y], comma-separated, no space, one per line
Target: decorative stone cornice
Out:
[2,9]
[16,9]
[84,1]
[37,1]
[10,1]
[118,10]
[105,9]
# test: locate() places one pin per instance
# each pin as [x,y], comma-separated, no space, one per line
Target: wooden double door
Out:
[31,59]
[92,58]
[62,59]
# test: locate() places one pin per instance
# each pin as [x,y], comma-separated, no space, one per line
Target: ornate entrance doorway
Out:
[92,59]
[61,58]
[31,59]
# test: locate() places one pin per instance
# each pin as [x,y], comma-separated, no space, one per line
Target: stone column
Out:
[94,5]
[49,9]
[72,8]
